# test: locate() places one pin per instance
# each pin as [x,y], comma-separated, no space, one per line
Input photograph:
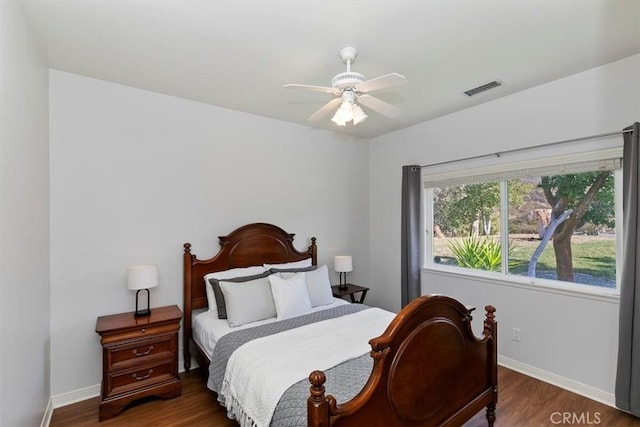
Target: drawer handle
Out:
[142,378]
[143,330]
[135,351]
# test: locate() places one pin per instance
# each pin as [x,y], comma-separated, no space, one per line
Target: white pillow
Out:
[227,274]
[248,301]
[285,265]
[290,296]
[318,285]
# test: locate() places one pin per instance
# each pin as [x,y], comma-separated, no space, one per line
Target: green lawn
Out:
[592,255]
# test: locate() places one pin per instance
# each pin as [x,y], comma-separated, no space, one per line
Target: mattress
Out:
[207,329]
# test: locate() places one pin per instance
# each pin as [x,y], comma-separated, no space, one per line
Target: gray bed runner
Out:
[343,380]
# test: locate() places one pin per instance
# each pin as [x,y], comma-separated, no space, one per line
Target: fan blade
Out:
[380,106]
[326,109]
[382,82]
[324,89]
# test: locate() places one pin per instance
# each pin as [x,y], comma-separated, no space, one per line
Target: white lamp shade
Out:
[343,263]
[358,115]
[344,114]
[142,276]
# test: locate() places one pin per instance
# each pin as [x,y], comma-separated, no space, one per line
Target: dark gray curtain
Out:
[410,258]
[628,374]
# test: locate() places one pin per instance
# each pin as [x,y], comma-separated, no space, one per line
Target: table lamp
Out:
[342,264]
[141,278]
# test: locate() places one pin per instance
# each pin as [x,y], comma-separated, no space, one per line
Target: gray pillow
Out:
[215,284]
[293,270]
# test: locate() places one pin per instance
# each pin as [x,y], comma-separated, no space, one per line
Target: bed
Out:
[426,367]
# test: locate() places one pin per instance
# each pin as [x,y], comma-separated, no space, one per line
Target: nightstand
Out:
[139,358]
[350,290]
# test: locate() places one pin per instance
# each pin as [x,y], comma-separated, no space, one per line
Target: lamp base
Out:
[142,313]
[343,280]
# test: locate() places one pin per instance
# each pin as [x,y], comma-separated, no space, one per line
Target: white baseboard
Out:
[194,364]
[75,396]
[560,381]
[46,419]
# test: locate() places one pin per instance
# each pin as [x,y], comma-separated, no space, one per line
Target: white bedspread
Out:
[260,371]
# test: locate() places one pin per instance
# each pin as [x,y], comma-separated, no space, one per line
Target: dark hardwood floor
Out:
[523,401]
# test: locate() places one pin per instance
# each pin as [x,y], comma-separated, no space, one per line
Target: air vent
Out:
[483,88]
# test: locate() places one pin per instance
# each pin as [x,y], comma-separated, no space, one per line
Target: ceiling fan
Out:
[351,91]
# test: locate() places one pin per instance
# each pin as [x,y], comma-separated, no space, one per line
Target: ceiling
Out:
[238,54]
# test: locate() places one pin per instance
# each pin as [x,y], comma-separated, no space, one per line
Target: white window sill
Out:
[532,284]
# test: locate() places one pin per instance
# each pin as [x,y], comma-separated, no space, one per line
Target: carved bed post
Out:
[317,405]
[186,327]
[314,251]
[489,321]
[491,329]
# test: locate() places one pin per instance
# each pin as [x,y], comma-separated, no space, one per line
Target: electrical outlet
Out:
[516,335]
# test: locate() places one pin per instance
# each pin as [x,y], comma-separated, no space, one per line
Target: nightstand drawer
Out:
[141,351]
[139,332]
[134,379]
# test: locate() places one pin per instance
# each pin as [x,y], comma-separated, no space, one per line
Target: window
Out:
[548,220]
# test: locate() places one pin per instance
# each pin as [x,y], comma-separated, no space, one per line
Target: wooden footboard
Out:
[429,370]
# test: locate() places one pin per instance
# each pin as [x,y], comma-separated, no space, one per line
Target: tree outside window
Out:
[560,227]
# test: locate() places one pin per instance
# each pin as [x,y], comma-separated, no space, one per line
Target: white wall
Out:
[135,174]
[24,223]
[566,336]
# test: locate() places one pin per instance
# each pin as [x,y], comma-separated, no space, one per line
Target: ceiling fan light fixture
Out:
[344,114]
[358,115]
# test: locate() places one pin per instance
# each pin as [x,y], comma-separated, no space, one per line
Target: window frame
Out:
[467,171]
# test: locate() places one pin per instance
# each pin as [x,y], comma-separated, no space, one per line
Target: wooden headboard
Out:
[252,244]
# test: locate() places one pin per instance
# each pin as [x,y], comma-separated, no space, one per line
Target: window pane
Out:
[466,222]
[579,245]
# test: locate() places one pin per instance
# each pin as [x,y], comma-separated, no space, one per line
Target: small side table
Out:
[139,358]
[350,290]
